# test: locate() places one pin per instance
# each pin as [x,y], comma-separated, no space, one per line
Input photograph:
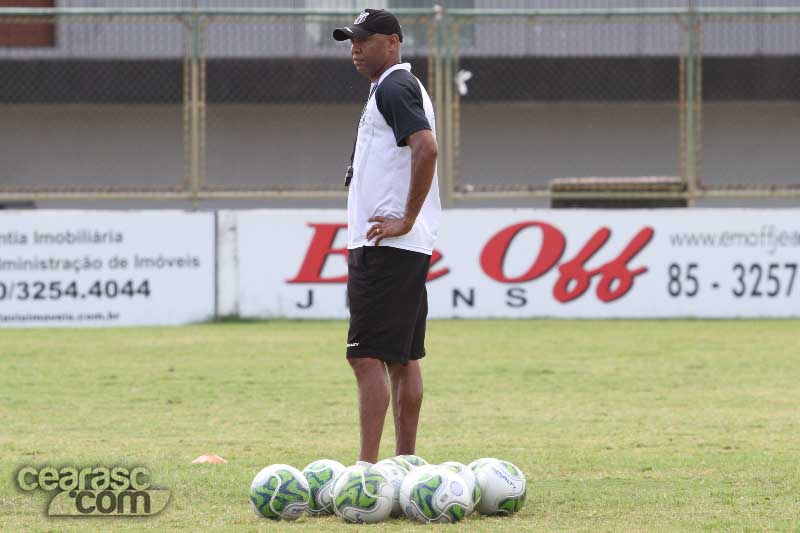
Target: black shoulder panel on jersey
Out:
[399,99]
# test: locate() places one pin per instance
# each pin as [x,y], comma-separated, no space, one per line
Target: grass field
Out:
[641,426]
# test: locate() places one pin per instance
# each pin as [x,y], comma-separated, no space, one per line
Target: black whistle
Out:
[348,176]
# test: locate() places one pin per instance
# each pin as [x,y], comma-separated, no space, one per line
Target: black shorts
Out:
[388,303]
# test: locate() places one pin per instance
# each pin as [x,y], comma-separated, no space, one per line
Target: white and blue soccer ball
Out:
[469,478]
[395,474]
[435,494]
[409,462]
[321,475]
[502,486]
[280,492]
[362,495]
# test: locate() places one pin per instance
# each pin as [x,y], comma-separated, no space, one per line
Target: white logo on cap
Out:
[361,18]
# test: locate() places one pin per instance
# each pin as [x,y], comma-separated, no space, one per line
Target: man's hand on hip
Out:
[388,227]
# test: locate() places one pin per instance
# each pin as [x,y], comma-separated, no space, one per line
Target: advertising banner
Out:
[541,263]
[71,268]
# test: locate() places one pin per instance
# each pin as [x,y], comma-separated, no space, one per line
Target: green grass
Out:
[641,426]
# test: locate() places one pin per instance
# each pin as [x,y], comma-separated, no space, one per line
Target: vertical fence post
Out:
[690,123]
[439,100]
[202,151]
[698,107]
[449,51]
[455,109]
[195,108]
[187,103]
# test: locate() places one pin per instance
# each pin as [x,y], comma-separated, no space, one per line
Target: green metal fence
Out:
[209,103]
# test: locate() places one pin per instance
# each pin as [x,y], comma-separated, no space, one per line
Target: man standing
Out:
[393,215]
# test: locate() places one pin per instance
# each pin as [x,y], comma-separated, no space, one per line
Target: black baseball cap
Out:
[368,22]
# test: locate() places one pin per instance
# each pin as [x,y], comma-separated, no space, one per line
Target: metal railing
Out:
[202,105]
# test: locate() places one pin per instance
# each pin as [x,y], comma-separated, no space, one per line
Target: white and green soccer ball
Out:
[321,475]
[395,474]
[474,465]
[435,494]
[469,478]
[502,486]
[362,495]
[280,492]
[409,462]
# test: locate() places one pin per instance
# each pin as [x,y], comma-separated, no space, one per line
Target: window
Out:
[27,33]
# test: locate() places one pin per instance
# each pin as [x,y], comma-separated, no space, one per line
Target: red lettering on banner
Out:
[617,270]
[494,253]
[435,258]
[574,279]
[574,273]
[321,247]
[319,250]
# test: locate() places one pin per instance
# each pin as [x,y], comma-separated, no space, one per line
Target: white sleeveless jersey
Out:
[398,107]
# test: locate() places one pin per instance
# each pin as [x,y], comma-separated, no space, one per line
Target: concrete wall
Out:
[751,143]
[286,145]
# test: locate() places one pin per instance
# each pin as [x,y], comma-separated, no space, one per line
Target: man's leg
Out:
[373,402]
[406,404]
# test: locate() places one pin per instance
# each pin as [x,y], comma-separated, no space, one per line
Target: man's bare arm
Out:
[424,151]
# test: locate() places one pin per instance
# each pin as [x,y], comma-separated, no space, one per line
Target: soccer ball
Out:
[469,478]
[435,494]
[409,462]
[321,476]
[280,492]
[362,495]
[502,488]
[395,474]
[480,462]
